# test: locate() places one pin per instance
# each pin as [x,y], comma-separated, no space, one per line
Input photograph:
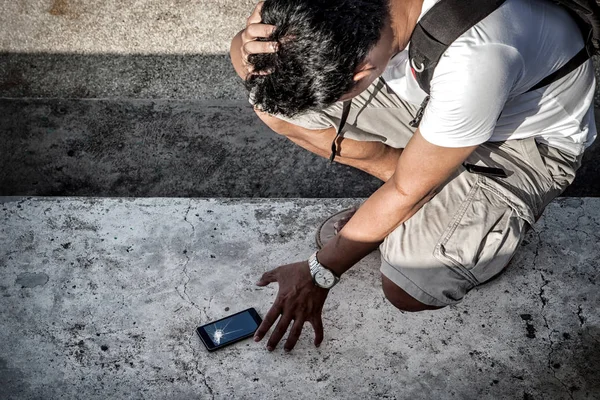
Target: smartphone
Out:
[221,333]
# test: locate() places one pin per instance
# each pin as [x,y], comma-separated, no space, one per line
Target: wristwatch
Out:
[322,277]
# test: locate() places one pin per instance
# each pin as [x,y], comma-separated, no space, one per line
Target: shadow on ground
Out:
[146,148]
[93,76]
[191,135]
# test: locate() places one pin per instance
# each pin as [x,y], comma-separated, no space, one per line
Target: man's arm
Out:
[375,158]
[421,170]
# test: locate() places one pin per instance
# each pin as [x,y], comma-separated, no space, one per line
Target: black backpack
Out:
[447,20]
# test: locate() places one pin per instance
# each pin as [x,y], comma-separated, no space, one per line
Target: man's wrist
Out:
[341,254]
[316,255]
[321,275]
[320,256]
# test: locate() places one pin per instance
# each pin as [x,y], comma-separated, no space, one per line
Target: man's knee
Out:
[400,299]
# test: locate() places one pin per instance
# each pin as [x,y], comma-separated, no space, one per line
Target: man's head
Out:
[327,50]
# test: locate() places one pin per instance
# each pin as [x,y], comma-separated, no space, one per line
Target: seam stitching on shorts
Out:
[532,160]
[487,186]
[460,214]
[456,266]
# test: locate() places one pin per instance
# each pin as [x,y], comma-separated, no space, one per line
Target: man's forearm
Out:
[379,216]
[378,163]
[375,158]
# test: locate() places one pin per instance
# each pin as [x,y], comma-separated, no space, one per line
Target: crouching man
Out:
[465,175]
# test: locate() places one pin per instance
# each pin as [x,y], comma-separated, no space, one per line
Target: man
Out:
[441,229]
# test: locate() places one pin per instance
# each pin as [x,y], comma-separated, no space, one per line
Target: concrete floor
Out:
[100,299]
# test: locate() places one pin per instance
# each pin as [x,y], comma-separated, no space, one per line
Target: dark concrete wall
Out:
[199,138]
[159,149]
[169,148]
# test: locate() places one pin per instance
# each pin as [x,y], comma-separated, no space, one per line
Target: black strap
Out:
[445,22]
[343,119]
[416,121]
[565,70]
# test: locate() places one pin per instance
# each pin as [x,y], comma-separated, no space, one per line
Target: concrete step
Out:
[100,299]
[144,49]
[158,149]
[172,148]
[154,76]
[115,27]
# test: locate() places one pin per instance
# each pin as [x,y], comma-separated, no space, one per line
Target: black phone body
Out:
[218,334]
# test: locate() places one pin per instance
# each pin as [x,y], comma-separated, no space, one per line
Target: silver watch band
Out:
[315,266]
[314,263]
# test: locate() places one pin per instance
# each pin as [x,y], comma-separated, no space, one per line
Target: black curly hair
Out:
[321,43]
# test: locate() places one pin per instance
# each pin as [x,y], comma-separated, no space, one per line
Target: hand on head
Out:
[254,39]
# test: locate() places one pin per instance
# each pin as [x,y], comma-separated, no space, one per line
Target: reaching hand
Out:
[298,300]
[255,30]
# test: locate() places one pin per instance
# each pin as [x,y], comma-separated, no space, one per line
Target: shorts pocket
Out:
[483,236]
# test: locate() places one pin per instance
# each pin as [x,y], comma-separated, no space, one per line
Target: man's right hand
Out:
[246,42]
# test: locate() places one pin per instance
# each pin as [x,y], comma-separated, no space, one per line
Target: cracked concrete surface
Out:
[130,279]
[100,297]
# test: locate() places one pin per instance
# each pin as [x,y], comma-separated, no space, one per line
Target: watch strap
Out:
[315,266]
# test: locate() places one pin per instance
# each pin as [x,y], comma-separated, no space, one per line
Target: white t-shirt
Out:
[478,87]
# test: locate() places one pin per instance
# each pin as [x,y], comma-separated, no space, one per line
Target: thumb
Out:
[266,278]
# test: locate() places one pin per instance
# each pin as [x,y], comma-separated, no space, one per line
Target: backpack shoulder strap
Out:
[586,14]
[439,27]
[574,63]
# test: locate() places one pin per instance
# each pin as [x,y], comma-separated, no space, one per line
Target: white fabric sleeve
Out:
[469,88]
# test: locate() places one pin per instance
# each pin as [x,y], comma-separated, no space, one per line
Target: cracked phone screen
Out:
[231,328]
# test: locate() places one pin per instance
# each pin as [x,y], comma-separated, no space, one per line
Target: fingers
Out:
[294,335]
[259,31]
[278,333]
[255,30]
[317,324]
[267,323]
[256,47]
[266,278]
[250,44]
[256,17]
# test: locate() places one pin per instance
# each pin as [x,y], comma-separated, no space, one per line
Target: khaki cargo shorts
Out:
[472,228]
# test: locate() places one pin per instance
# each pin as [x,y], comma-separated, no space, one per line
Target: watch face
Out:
[325,278]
